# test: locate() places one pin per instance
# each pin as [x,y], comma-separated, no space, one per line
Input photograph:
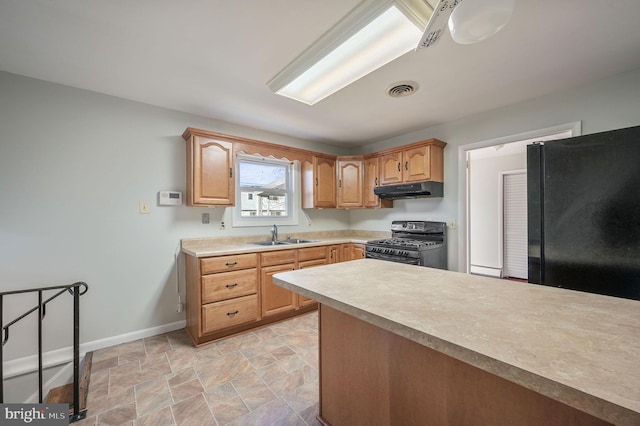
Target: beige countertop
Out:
[578,348]
[203,247]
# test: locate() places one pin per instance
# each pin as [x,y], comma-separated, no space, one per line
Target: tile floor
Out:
[264,377]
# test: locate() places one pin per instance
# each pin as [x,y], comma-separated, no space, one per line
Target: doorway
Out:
[482,167]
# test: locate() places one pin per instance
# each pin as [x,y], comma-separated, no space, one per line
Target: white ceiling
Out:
[214,58]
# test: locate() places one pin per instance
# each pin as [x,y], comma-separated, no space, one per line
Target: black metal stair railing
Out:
[77,290]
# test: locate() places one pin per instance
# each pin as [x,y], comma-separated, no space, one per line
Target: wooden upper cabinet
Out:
[371,181]
[413,163]
[210,179]
[319,183]
[350,182]
[391,168]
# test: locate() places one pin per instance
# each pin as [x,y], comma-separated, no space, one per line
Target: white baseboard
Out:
[486,271]
[29,364]
[61,378]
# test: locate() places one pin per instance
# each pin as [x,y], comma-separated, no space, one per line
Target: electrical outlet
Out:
[452,224]
[222,226]
[180,307]
[144,207]
[205,217]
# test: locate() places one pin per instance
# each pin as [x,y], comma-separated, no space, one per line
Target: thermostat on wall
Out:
[169,198]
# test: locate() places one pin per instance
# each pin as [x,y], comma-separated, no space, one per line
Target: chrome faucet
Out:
[274,233]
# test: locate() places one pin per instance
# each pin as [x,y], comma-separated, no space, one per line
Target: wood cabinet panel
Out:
[335,254]
[413,163]
[276,299]
[426,387]
[227,285]
[371,181]
[390,168]
[209,171]
[416,164]
[212,265]
[278,257]
[353,251]
[350,176]
[228,313]
[311,253]
[303,300]
[319,183]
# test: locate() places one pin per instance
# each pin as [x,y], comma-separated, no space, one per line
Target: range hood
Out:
[410,190]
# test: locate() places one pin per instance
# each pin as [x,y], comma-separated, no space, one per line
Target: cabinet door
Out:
[324,194]
[390,168]
[371,181]
[335,254]
[303,300]
[210,172]
[417,164]
[358,251]
[350,183]
[276,299]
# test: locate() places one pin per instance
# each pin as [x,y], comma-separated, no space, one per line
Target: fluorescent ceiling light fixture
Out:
[372,35]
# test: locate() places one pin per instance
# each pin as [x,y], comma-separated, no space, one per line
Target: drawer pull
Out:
[230,314]
[231,264]
[231,285]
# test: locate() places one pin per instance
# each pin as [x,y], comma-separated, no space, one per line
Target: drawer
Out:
[278,257]
[227,285]
[219,315]
[312,253]
[210,265]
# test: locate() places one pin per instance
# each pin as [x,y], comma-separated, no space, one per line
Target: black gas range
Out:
[422,243]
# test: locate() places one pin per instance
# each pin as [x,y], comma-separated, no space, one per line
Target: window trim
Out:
[293,195]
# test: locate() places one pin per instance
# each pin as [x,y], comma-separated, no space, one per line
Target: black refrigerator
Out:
[583,204]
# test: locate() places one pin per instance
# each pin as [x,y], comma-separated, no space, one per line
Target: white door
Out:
[515,225]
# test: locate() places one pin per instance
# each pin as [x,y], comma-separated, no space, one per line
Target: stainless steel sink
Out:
[269,243]
[283,242]
[298,241]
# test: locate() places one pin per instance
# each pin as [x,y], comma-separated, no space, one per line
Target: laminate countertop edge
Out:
[576,363]
[243,245]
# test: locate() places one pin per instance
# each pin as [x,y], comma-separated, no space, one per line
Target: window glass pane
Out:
[263,189]
[256,175]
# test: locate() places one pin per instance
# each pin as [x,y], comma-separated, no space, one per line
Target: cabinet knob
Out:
[406,165]
[231,285]
[232,313]
[398,166]
[231,264]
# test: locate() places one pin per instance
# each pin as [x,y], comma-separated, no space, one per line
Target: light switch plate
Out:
[144,207]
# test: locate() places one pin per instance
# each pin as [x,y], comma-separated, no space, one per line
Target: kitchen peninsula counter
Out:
[547,354]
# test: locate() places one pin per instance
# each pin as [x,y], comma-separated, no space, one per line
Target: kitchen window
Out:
[266,192]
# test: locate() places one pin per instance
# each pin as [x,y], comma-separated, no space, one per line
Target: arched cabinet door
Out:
[210,180]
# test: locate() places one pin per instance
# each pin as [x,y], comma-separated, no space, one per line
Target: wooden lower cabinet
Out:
[335,254]
[221,315]
[229,294]
[303,300]
[275,299]
[353,251]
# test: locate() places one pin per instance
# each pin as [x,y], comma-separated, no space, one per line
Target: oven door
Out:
[393,258]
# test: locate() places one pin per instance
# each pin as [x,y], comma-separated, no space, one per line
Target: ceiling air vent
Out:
[402,88]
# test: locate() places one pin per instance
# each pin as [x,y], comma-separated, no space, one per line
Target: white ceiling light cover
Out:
[475,20]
